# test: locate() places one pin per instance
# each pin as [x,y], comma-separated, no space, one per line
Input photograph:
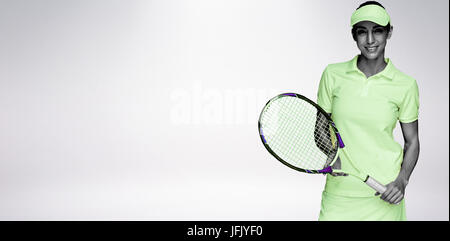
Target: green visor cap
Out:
[373,13]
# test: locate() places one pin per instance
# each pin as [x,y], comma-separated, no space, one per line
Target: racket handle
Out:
[380,188]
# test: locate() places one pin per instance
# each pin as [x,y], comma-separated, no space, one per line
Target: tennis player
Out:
[365,97]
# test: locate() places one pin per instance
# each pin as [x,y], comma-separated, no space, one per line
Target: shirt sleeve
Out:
[409,108]
[325,92]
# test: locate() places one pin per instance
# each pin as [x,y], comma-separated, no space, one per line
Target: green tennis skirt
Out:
[344,208]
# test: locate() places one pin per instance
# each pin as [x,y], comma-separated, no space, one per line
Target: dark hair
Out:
[387,27]
[370,3]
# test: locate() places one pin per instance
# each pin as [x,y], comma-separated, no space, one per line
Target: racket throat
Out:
[326,170]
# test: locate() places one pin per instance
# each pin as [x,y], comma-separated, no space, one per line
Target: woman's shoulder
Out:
[341,66]
[401,77]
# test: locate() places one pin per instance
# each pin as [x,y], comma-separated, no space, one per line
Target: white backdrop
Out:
[147,110]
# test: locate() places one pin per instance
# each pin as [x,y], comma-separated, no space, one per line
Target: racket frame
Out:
[328,169]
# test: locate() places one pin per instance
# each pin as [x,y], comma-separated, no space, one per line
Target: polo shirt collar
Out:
[388,71]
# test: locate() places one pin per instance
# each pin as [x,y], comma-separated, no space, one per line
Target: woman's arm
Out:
[396,189]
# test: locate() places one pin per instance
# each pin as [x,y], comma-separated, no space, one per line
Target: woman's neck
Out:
[371,67]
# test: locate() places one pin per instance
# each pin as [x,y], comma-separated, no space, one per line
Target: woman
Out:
[365,97]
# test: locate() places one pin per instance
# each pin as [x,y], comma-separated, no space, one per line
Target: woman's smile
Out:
[372,49]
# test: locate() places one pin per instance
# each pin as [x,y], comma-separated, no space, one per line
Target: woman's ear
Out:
[390,32]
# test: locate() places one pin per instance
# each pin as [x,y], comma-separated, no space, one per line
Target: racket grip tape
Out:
[380,188]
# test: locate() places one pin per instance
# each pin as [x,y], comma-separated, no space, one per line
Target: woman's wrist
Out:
[402,179]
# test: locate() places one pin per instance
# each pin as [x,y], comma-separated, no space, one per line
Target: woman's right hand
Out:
[337,166]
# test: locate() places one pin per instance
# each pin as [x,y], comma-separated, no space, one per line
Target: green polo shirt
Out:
[366,111]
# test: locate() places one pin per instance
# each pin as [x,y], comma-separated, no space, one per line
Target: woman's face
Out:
[371,39]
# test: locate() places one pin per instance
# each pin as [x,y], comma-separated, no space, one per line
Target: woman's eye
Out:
[378,31]
[360,32]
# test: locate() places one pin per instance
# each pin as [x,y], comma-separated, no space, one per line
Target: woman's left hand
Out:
[395,191]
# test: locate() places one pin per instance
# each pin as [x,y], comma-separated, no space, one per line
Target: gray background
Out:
[147,110]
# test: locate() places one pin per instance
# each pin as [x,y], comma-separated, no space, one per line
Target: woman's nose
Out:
[370,38]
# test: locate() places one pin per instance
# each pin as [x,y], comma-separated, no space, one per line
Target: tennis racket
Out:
[301,135]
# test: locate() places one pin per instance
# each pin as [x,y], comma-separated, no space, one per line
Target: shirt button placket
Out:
[365,89]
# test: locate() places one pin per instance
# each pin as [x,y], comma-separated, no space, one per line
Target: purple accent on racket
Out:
[290,94]
[341,143]
[262,135]
[326,170]
[264,139]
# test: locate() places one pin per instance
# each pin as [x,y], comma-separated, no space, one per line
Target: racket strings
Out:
[298,133]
